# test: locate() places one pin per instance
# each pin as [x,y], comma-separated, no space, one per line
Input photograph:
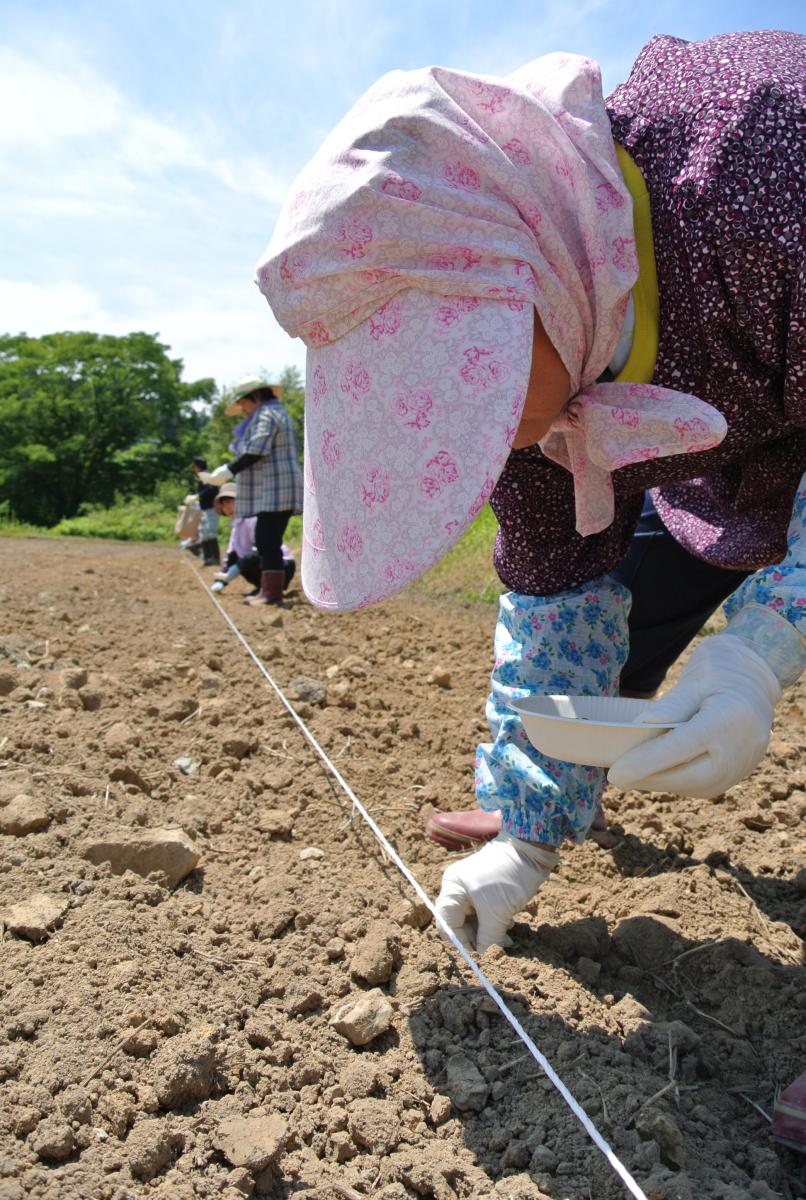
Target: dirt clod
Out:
[36,917]
[171,852]
[23,815]
[363,1018]
[660,968]
[253,1142]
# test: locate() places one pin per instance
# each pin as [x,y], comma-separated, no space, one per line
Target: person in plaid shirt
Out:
[269,477]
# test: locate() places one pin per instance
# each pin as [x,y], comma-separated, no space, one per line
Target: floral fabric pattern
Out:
[716,129]
[576,643]
[779,589]
[416,247]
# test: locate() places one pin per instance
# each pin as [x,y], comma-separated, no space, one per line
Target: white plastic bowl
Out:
[591,730]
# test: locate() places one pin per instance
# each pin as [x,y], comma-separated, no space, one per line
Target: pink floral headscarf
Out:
[417,242]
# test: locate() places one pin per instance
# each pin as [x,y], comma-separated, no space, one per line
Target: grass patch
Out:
[10,527]
[466,572]
[136,519]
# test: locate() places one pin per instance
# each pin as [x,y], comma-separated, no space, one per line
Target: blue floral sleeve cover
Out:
[769,609]
[573,642]
[577,642]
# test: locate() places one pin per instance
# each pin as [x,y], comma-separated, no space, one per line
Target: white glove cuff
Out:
[539,856]
[773,638]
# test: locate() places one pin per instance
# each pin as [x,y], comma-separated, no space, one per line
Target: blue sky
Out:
[146,146]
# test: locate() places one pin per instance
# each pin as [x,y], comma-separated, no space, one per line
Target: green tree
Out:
[84,416]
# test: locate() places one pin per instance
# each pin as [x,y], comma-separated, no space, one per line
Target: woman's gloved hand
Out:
[495,883]
[220,475]
[726,698]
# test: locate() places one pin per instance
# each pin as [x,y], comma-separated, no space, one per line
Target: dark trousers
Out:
[249,567]
[673,595]
[269,530]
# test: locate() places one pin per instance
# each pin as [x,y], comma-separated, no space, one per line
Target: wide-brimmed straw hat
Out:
[243,388]
[227,491]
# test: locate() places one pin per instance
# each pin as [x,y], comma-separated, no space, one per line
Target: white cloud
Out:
[220,333]
[116,219]
[44,106]
[71,132]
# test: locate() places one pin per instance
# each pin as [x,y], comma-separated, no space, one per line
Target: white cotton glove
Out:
[496,882]
[220,475]
[726,698]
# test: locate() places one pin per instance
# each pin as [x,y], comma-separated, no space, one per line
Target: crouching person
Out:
[242,557]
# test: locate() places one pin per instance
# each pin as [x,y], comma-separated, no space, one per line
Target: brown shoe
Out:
[463,830]
[271,589]
[789,1116]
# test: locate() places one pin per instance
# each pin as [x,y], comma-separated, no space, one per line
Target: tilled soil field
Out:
[215,984]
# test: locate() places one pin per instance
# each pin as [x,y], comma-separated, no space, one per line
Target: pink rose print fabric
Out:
[396,473]
[439,214]
[594,436]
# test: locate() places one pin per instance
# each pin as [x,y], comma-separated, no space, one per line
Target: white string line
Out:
[576,1108]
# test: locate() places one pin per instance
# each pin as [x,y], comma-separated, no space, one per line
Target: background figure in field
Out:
[269,477]
[241,556]
[208,527]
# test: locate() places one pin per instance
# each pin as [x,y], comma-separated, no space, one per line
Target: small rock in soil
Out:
[466,1086]
[15,783]
[311,691]
[169,851]
[440,678]
[151,1147]
[23,815]
[375,956]
[127,774]
[119,739]
[179,709]
[35,917]
[187,765]
[666,1133]
[440,1109]
[375,1125]
[359,1078]
[254,1142]
[310,853]
[276,822]
[363,1018]
[661,1185]
[237,747]
[53,1140]
[73,678]
[186,1068]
